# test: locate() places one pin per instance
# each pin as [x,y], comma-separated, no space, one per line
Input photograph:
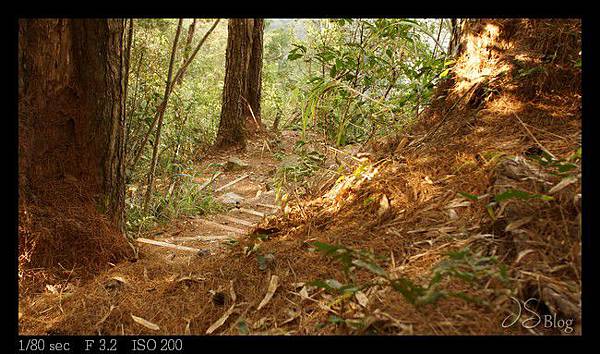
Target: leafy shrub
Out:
[462,264]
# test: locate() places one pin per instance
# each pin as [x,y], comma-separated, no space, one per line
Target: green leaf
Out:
[372,267]
[329,284]
[294,56]
[449,62]
[335,319]
[565,167]
[262,262]
[519,194]
[576,155]
[243,327]
[324,247]
[490,210]
[469,196]
[334,284]
[333,71]
[459,255]
[408,289]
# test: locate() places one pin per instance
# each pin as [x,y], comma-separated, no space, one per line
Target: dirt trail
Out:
[208,234]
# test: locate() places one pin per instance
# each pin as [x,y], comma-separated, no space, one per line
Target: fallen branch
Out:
[533,137]
[167,245]
[232,183]
[200,238]
[226,315]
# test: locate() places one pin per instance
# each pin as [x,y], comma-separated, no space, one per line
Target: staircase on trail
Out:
[207,234]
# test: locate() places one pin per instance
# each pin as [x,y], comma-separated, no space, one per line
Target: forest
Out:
[334,176]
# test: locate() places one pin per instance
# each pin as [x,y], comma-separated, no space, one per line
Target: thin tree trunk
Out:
[163,103]
[438,38]
[252,95]
[127,59]
[137,85]
[131,109]
[456,37]
[188,47]
[160,118]
[126,84]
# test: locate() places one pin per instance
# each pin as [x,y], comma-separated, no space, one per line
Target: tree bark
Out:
[71,106]
[254,79]
[231,131]
[456,36]
[71,140]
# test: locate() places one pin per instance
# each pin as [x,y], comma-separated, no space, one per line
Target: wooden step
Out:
[201,238]
[251,212]
[238,221]
[231,183]
[167,245]
[268,206]
[224,227]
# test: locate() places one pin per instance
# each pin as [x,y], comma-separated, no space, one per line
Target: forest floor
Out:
[246,188]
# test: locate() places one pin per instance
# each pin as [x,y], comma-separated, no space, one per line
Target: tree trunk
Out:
[231,131]
[177,78]
[254,79]
[456,36]
[71,127]
[170,82]
[188,47]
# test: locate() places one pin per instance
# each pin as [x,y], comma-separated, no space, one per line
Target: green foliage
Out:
[559,167]
[304,164]
[371,74]
[469,196]
[459,265]
[186,200]
[348,78]
[519,194]
[350,258]
[190,120]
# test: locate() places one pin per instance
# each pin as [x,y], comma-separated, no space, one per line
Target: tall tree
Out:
[240,110]
[71,106]
[71,134]
[254,79]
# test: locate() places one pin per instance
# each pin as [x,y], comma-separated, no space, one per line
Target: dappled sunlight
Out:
[504,105]
[480,60]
